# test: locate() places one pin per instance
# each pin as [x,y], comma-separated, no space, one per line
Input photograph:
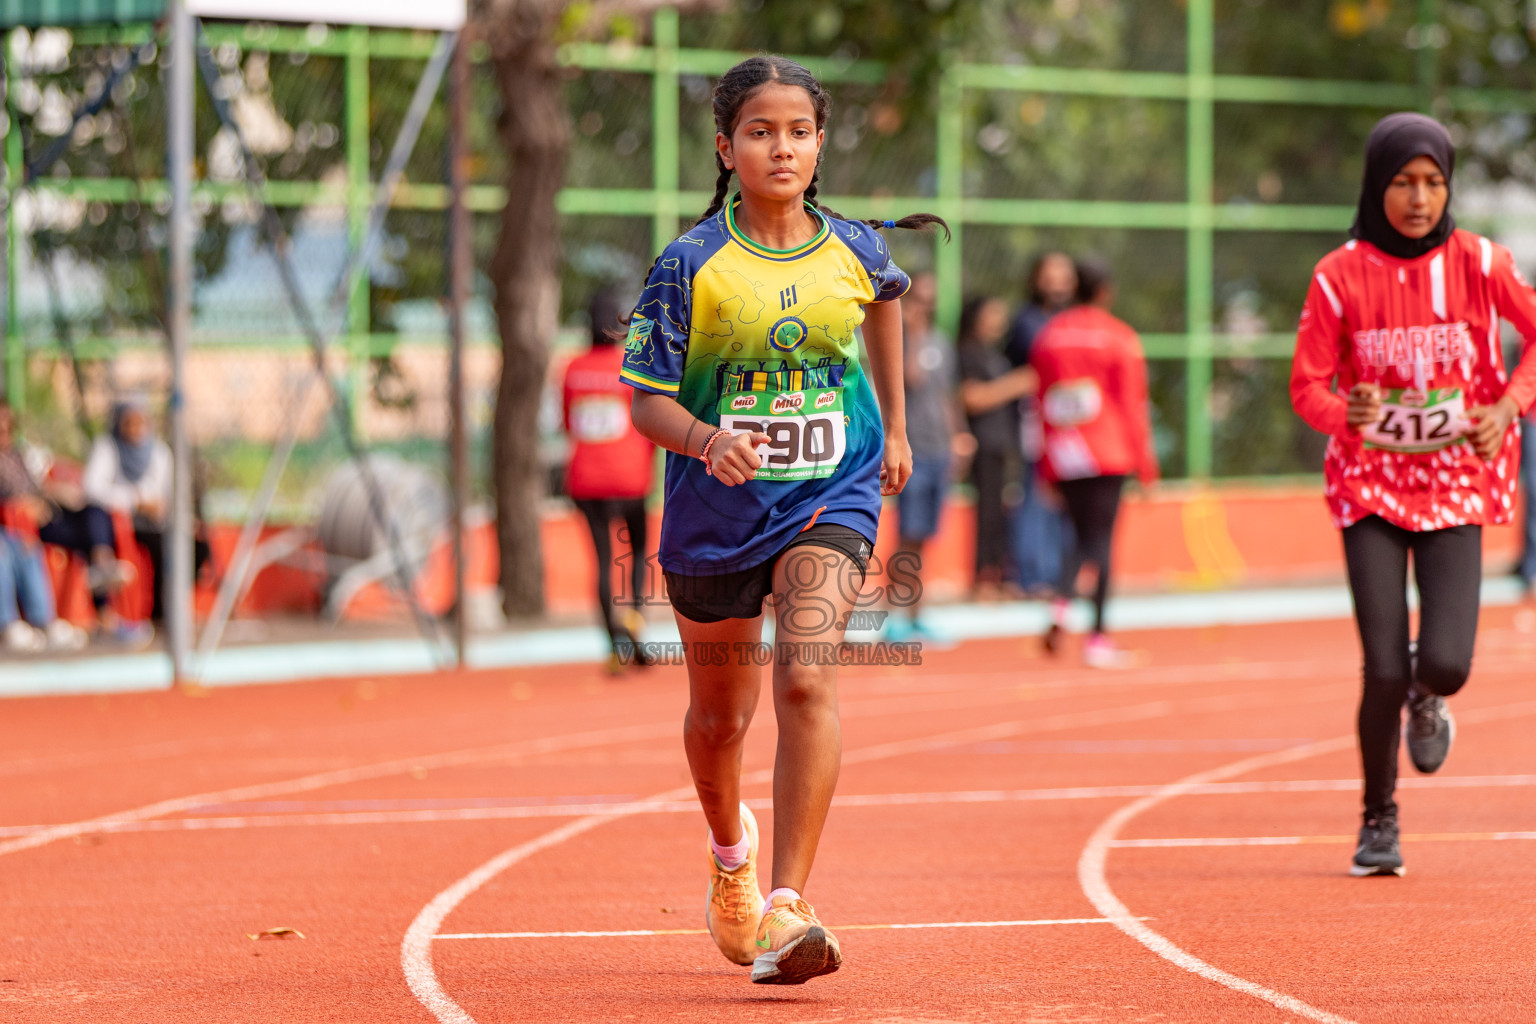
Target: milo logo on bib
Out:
[790,402]
[806,432]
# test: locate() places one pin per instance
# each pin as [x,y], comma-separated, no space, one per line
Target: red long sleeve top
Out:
[609,458]
[1093,397]
[1427,325]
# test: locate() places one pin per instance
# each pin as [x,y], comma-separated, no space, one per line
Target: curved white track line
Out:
[1091,876]
[1095,885]
[416,949]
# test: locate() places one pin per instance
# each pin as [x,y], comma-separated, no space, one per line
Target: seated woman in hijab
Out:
[129,471]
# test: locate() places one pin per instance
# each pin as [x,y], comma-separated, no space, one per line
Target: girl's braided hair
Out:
[733,90]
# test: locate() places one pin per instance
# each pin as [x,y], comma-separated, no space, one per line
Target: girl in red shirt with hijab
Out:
[1423,441]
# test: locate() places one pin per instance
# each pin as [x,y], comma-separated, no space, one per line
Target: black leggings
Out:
[1092,505]
[1448,567]
[989,472]
[82,531]
[600,513]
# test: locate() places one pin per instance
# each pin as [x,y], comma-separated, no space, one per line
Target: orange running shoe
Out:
[795,946]
[735,905]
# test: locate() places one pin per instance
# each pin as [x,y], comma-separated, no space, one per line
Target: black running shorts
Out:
[739,595]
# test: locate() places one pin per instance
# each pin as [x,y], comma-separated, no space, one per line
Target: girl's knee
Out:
[718,728]
[799,685]
[1442,676]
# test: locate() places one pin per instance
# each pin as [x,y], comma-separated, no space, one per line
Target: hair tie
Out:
[890,223]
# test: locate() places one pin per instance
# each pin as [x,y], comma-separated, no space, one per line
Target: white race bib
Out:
[598,419]
[1071,403]
[1418,421]
[807,436]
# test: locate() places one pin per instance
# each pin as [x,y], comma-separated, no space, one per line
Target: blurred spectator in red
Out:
[609,473]
[52,508]
[990,391]
[1098,431]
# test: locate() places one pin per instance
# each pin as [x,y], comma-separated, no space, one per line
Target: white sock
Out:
[1059,612]
[731,857]
[789,894]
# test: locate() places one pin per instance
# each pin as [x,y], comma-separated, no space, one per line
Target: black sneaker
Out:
[1378,852]
[1429,731]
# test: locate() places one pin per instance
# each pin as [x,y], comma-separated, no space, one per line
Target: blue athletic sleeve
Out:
[657,345]
[888,280]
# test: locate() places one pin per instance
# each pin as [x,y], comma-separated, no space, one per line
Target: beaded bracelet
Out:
[704,452]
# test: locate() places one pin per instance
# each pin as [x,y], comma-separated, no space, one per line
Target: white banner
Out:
[443,15]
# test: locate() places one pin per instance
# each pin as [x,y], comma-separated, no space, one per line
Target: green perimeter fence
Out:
[649,105]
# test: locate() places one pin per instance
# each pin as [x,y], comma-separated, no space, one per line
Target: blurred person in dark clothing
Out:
[936,432]
[1526,569]
[61,514]
[1050,286]
[609,473]
[1040,529]
[990,390]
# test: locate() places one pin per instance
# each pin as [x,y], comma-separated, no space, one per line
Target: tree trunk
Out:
[535,132]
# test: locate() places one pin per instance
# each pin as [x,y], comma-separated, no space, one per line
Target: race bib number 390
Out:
[1418,421]
[806,433]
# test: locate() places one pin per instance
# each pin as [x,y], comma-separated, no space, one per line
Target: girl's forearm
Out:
[664,422]
[882,339]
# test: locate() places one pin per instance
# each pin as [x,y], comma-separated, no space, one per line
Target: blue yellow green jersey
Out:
[754,338]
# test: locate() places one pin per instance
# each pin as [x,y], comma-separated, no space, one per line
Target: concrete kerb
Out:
[291,662]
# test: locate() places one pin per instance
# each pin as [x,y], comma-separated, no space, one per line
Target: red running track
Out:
[1163,844]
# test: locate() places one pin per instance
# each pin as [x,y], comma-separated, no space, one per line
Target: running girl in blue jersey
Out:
[744,360]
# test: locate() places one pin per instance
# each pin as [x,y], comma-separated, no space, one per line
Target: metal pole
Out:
[949,263]
[1427,64]
[359,185]
[15,355]
[664,129]
[460,267]
[178,603]
[1199,257]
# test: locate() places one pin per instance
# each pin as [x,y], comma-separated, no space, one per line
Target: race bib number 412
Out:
[1418,421]
[806,433]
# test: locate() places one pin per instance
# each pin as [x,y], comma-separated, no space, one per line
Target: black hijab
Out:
[1397,139]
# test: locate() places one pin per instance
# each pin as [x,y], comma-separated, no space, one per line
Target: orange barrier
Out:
[1177,538]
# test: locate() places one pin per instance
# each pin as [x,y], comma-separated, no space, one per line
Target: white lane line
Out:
[1092,877]
[437,815]
[479,755]
[341,776]
[1420,837]
[647,933]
